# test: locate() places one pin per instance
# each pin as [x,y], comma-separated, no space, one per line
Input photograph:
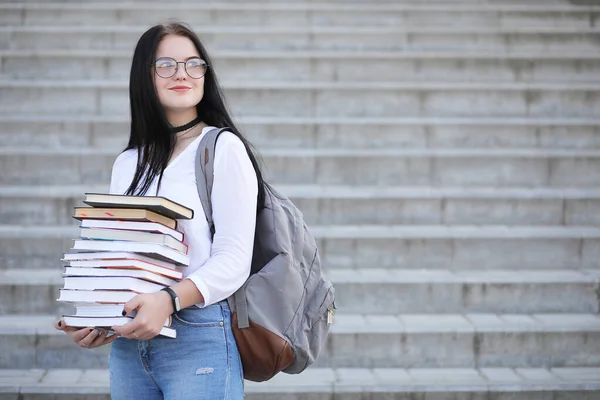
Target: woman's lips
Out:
[180,89]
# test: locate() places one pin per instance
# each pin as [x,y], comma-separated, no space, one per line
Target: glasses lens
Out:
[196,67]
[165,67]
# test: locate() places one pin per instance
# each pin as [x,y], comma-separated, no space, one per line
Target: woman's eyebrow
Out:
[185,59]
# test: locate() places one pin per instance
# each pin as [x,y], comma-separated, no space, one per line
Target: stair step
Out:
[436,247]
[325,133]
[414,14]
[60,192]
[320,66]
[300,133]
[53,205]
[360,167]
[398,291]
[457,232]
[325,99]
[323,85]
[379,341]
[302,30]
[348,67]
[377,291]
[329,120]
[341,152]
[340,383]
[369,232]
[325,38]
[297,55]
[460,6]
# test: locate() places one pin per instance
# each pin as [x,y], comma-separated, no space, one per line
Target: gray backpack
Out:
[282,314]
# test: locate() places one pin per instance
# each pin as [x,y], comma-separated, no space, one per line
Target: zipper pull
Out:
[330,313]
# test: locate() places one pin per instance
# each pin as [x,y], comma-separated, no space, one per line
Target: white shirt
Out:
[219,268]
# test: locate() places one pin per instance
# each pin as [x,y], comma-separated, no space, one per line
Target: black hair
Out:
[150,129]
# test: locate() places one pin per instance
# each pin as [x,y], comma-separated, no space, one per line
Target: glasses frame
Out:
[177,67]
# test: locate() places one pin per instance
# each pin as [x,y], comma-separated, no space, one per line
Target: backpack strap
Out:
[241,308]
[205,168]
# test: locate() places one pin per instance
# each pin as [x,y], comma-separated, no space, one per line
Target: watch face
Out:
[177,306]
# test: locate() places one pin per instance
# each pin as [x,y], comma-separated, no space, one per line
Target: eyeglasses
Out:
[166,67]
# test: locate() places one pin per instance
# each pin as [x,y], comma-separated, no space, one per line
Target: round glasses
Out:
[166,67]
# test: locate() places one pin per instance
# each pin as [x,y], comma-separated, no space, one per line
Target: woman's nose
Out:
[180,73]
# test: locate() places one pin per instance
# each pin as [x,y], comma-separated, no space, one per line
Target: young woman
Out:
[175,98]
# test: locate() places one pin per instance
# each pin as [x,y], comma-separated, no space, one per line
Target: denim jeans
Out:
[201,363]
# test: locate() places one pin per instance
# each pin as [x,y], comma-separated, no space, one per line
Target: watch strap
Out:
[174,298]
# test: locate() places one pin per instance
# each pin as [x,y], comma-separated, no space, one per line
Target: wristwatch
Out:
[174,298]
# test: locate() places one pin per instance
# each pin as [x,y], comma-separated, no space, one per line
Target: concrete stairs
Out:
[445,154]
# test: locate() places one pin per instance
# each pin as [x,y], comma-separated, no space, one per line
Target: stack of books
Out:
[127,245]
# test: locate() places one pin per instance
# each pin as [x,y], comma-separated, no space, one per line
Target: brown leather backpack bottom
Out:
[263,353]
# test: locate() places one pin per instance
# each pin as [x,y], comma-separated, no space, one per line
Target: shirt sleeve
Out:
[234,200]
[121,175]
[114,184]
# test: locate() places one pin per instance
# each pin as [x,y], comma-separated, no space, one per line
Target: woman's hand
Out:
[86,337]
[153,309]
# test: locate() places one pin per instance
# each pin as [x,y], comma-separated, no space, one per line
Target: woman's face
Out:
[180,92]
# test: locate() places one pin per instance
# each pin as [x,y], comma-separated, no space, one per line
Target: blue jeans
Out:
[202,363]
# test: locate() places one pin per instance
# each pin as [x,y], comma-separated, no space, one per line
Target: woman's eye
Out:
[195,63]
[165,63]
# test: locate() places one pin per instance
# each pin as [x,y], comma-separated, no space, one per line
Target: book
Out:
[152,227]
[107,322]
[110,283]
[152,250]
[119,273]
[96,296]
[158,204]
[133,236]
[105,310]
[98,310]
[116,257]
[123,214]
[123,264]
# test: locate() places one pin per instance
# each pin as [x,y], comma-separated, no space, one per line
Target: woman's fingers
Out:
[98,336]
[61,326]
[87,337]
[84,337]
[102,338]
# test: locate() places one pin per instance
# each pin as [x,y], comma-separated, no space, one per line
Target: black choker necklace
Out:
[189,125]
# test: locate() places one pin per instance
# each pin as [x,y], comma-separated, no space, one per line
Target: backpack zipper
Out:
[331,313]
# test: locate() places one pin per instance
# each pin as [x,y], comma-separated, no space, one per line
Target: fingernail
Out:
[124,313]
[59,324]
[99,332]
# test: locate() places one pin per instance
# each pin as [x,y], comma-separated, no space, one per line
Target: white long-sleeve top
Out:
[219,268]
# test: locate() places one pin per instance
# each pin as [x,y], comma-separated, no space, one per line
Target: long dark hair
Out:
[150,129]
